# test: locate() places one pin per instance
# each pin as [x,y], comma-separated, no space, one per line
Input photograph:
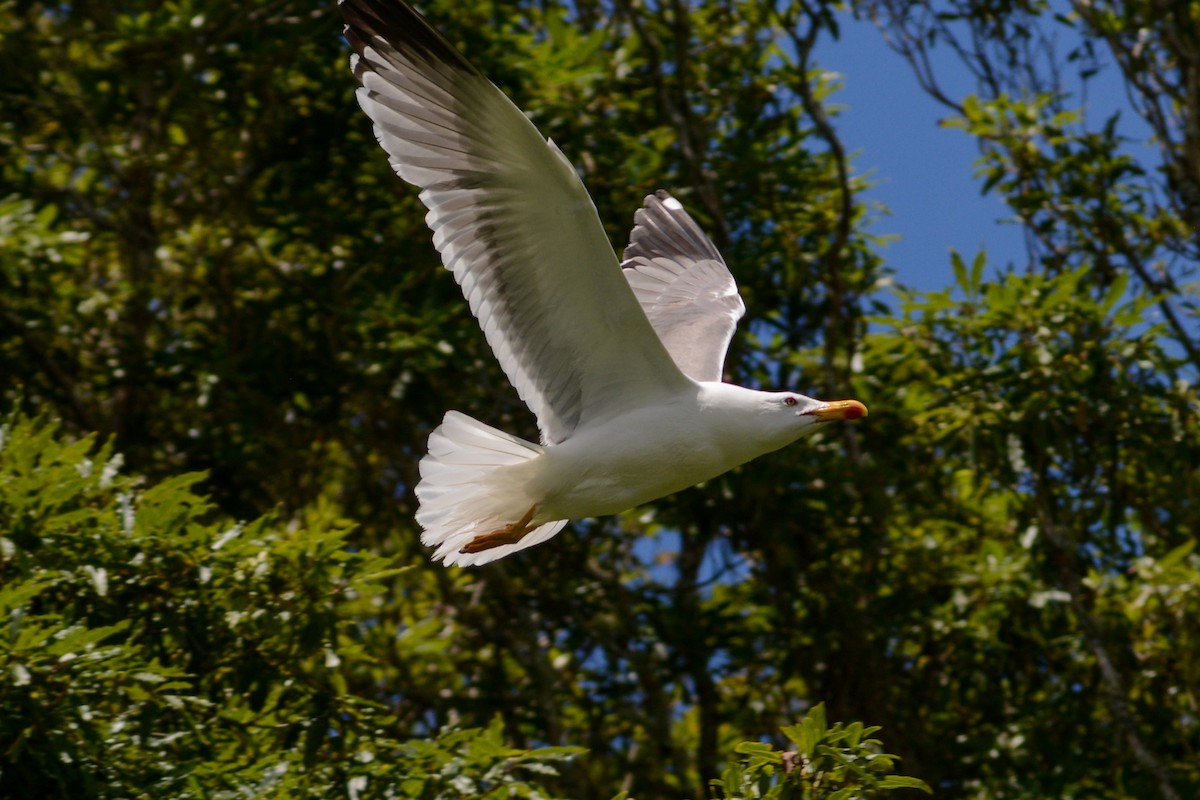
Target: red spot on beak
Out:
[838,410]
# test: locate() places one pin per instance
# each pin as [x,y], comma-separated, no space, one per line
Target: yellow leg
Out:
[510,534]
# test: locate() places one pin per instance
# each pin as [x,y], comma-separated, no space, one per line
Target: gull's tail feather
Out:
[469,488]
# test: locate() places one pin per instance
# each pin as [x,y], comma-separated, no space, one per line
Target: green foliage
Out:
[474,763]
[1043,405]
[150,650]
[832,763]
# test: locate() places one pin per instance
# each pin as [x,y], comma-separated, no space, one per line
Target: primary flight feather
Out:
[620,362]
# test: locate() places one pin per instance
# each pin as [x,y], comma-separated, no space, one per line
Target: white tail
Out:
[467,491]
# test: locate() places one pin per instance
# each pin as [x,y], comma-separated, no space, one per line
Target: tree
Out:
[151,652]
[204,256]
[1101,227]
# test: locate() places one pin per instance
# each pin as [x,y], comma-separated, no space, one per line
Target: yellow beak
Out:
[839,409]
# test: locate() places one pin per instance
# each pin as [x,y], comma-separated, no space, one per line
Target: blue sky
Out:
[924,173]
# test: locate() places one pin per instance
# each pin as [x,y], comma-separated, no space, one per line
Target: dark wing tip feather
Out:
[662,227]
[402,27]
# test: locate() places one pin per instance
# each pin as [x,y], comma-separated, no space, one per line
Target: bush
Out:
[153,649]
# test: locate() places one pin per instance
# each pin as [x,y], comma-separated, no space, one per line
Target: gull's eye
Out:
[790,401]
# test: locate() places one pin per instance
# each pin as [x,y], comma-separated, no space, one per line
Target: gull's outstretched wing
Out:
[683,285]
[512,221]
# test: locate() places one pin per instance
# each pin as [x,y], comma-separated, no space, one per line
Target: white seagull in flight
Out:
[620,362]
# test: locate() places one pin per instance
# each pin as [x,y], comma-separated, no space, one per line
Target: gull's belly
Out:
[619,466]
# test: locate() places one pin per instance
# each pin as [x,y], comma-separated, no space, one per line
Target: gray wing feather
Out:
[512,221]
[683,285]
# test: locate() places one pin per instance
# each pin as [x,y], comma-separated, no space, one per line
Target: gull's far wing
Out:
[683,285]
[512,221]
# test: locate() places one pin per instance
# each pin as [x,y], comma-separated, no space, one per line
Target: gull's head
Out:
[753,422]
[798,414]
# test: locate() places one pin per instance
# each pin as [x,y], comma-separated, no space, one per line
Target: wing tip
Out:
[665,198]
[663,227]
[401,27]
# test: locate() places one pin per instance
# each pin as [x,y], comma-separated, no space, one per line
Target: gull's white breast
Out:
[650,452]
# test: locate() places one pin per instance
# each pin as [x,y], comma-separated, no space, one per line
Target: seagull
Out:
[620,362]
